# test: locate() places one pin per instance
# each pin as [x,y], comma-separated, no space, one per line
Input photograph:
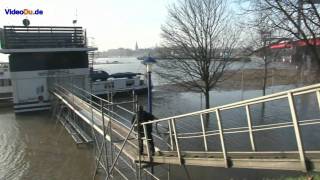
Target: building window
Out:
[109,85]
[6,82]
[130,82]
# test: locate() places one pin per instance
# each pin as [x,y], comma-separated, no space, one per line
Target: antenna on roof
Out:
[76,19]
[26,22]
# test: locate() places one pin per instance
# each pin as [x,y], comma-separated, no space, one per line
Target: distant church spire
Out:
[137,47]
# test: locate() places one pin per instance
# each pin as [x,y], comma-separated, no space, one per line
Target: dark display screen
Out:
[47,61]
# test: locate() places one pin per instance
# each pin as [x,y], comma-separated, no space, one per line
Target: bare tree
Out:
[198,42]
[258,43]
[298,19]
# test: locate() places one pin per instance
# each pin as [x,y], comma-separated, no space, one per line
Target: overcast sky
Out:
[112,23]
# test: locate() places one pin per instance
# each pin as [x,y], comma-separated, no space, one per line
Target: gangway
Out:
[97,114]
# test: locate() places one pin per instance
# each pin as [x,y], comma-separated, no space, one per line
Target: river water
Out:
[33,146]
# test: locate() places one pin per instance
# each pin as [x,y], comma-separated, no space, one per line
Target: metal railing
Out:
[104,107]
[20,37]
[175,136]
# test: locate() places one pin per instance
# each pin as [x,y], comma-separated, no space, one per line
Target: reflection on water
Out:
[32,146]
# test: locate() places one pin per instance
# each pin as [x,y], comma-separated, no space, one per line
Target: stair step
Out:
[80,131]
[75,136]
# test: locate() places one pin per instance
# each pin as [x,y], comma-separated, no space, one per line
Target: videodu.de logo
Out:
[23,12]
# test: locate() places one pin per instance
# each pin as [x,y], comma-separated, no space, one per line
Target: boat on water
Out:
[103,83]
[38,56]
[41,56]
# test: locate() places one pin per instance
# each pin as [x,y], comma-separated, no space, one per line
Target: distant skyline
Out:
[110,23]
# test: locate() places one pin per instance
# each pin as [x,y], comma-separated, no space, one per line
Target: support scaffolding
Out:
[108,144]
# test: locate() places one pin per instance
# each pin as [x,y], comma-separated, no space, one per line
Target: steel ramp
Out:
[299,160]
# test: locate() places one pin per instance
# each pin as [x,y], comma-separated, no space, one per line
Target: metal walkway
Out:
[97,114]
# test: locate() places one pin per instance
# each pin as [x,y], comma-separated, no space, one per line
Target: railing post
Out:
[297,131]
[110,109]
[72,90]
[170,135]
[147,139]
[250,128]
[204,133]
[176,139]
[224,152]
[133,101]
[104,134]
[318,98]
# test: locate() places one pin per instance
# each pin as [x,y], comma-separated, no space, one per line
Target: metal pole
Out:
[204,134]
[110,125]
[297,131]
[318,98]
[98,160]
[149,93]
[170,134]
[147,139]
[300,9]
[95,137]
[169,171]
[176,139]
[221,138]
[104,136]
[120,150]
[250,128]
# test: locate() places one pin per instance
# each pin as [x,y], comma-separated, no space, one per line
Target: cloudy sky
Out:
[112,23]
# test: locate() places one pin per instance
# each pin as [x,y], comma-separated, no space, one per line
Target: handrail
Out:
[275,96]
[295,123]
[120,150]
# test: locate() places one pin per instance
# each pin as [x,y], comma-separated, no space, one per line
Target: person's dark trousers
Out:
[140,141]
[151,144]
[150,141]
[140,146]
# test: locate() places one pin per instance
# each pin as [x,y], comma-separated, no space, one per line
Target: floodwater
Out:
[33,146]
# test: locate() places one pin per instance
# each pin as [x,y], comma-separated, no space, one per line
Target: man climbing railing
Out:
[146,133]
